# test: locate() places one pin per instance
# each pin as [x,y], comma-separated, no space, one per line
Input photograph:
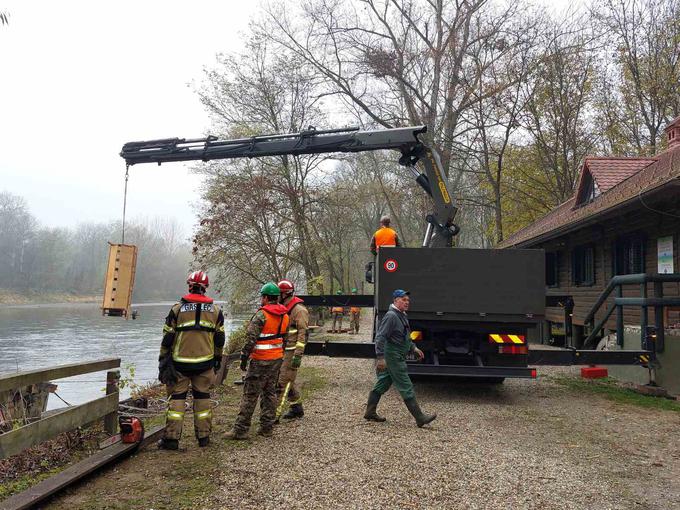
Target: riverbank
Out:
[158,479]
[12,297]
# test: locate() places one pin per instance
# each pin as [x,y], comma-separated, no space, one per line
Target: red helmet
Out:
[198,278]
[286,286]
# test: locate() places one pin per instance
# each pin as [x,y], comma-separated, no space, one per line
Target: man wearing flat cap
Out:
[392,345]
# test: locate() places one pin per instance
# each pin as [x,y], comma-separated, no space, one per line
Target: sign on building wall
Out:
[664,250]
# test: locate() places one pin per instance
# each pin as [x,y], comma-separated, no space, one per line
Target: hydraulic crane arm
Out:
[441,228]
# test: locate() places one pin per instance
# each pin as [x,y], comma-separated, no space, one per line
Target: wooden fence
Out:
[15,441]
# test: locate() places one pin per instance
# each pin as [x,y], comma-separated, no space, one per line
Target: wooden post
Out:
[111,420]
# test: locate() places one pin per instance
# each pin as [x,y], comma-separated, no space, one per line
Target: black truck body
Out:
[459,299]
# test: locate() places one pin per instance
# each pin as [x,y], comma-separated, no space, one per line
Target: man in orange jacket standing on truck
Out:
[384,236]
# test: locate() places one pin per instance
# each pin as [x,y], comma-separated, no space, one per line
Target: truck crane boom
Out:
[440,227]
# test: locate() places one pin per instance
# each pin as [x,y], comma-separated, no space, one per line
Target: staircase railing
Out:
[651,339]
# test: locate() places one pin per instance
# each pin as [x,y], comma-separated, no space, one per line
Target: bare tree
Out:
[640,85]
[397,62]
[260,92]
[558,114]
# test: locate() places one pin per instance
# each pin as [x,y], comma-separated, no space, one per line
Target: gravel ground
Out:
[523,444]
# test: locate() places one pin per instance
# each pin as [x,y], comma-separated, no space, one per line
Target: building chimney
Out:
[673,133]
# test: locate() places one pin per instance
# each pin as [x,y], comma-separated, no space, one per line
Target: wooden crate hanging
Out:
[120,280]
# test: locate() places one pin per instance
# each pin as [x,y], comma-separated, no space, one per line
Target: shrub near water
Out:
[237,339]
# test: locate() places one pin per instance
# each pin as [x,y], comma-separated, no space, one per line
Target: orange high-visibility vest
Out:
[269,345]
[385,236]
[337,309]
[355,309]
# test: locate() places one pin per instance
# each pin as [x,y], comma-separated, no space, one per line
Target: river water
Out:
[39,336]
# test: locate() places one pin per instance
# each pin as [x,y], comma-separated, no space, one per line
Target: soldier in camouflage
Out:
[265,337]
[294,349]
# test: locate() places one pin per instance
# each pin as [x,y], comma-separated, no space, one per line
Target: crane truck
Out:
[472,310]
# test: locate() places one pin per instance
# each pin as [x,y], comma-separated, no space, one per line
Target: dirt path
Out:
[525,444]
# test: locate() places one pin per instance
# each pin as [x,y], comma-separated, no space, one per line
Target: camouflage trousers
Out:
[200,389]
[260,383]
[337,319]
[286,376]
[355,317]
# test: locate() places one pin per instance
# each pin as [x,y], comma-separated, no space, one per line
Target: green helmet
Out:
[354,290]
[270,289]
[339,293]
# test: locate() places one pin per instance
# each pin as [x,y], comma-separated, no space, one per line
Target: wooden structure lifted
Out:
[119,280]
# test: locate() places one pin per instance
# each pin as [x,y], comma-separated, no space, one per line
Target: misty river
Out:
[39,336]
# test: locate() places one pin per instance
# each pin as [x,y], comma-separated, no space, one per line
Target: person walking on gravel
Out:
[265,337]
[392,345]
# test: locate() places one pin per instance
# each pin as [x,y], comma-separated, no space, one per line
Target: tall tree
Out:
[558,114]
[640,72]
[263,91]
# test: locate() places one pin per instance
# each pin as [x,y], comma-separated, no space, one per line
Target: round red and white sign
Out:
[391,265]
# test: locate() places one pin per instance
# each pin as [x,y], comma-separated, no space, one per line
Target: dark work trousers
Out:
[397,372]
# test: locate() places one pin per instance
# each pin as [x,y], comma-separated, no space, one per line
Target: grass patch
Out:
[611,390]
[12,487]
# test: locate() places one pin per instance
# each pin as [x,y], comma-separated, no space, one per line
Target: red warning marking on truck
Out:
[391,265]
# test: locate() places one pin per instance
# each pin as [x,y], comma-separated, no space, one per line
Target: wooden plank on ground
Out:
[21,379]
[70,475]
[16,441]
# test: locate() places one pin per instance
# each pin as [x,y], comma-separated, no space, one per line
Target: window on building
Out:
[629,255]
[583,265]
[552,269]
[589,191]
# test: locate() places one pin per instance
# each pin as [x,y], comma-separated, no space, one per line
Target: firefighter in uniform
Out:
[191,352]
[295,348]
[337,312]
[384,236]
[355,317]
[265,337]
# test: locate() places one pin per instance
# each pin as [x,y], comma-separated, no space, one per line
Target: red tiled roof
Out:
[608,172]
[656,172]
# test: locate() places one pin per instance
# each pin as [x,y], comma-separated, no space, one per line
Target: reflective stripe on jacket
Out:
[197,323]
[269,345]
[299,324]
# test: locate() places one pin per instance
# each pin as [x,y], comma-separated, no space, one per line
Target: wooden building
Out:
[624,218]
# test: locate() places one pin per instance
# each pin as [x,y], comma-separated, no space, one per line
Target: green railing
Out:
[651,338]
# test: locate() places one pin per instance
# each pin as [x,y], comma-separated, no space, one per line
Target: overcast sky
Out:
[79,79]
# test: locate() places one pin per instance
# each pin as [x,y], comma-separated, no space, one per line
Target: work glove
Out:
[296,362]
[244,362]
[217,363]
[167,374]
